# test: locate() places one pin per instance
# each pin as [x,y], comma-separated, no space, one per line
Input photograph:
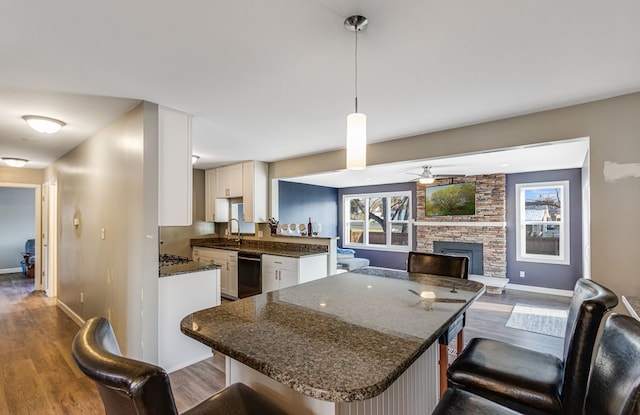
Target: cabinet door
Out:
[229,181]
[288,278]
[210,195]
[254,191]
[224,275]
[175,171]
[270,280]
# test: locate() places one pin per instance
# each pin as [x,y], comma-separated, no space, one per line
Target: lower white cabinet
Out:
[228,261]
[178,296]
[280,272]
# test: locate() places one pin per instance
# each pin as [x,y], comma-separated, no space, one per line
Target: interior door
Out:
[45,239]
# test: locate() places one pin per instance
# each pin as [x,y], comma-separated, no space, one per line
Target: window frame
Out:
[346,221]
[563,257]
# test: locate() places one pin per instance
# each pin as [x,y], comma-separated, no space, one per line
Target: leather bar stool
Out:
[129,386]
[532,382]
[614,385]
[447,266]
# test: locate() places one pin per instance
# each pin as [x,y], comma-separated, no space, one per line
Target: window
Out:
[378,221]
[543,222]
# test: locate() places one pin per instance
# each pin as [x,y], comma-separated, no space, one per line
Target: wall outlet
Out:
[521,274]
[81,298]
[260,234]
[102,233]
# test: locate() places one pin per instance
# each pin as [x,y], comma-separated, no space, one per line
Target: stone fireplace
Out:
[486,230]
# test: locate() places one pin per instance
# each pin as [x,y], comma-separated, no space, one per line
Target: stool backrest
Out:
[588,306]
[438,264]
[126,386]
[614,387]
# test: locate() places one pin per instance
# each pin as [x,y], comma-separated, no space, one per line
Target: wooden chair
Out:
[131,387]
[447,266]
[532,382]
[614,378]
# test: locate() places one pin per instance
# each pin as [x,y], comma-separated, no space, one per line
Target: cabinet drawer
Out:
[280,262]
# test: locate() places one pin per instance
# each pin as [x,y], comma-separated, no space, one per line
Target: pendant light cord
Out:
[356,65]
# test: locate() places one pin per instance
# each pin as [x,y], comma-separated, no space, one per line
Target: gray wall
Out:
[561,277]
[613,126]
[176,240]
[17,222]
[110,182]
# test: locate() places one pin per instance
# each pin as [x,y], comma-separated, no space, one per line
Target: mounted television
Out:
[450,200]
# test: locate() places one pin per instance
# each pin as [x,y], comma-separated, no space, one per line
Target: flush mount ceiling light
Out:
[44,125]
[14,162]
[194,158]
[356,122]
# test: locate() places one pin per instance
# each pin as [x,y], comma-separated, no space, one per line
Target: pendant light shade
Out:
[357,121]
[356,141]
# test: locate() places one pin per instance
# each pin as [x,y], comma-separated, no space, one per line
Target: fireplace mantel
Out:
[477,224]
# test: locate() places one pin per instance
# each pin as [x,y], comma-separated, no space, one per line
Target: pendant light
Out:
[356,122]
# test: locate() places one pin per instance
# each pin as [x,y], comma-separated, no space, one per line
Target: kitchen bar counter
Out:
[343,338]
[262,247]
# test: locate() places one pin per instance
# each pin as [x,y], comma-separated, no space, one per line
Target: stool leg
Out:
[444,363]
[460,342]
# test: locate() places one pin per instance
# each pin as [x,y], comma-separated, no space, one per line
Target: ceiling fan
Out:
[427,177]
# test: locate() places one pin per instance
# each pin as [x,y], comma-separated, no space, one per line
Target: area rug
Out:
[543,320]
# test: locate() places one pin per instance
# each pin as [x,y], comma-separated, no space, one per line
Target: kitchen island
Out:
[348,342]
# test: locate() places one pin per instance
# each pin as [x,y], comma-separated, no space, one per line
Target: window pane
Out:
[356,232]
[543,204]
[377,226]
[399,234]
[356,208]
[543,240]
[400,208]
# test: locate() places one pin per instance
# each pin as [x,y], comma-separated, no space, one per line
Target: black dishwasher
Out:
[249,274]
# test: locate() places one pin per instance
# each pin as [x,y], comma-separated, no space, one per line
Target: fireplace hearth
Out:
[473,251]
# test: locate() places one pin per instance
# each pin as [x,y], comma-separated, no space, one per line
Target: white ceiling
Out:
[274,80]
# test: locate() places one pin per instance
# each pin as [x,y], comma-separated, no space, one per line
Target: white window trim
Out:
[388,248]
[565,235]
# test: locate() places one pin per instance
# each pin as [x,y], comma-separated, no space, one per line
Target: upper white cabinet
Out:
[248,180]
[254,190]
[175,172]
[229,181]
[216,209]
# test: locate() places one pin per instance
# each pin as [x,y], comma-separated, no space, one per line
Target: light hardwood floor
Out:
[38,375]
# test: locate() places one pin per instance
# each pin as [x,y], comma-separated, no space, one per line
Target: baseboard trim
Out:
[72,315]
[541,290]
[10,270]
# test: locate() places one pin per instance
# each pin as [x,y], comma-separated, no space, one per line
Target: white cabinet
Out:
[228,261]
[280,272]
[175,172]
[178,296]
[216,209]
[229,181]
[254,191]
[248,180]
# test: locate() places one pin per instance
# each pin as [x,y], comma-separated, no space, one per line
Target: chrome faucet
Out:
[239,238]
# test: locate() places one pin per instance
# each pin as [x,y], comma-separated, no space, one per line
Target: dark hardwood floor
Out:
[38,375]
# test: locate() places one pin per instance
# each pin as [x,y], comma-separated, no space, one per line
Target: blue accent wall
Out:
[386,259]
[298,201]
[561,277]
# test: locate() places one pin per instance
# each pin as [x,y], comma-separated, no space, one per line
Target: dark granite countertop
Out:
[346,337]
[263,247]
[185,268]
